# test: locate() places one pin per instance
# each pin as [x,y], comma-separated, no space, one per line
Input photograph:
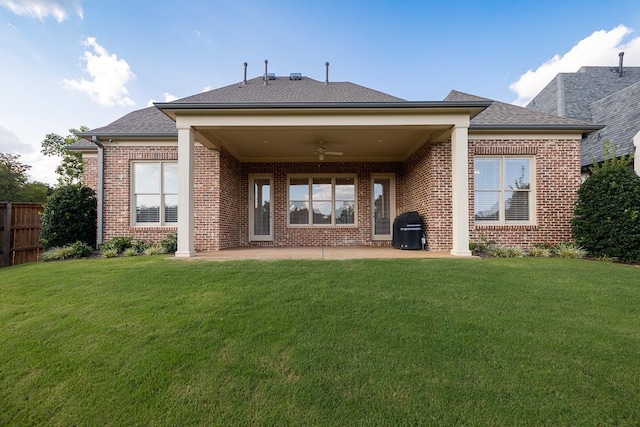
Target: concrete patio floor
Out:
[317,253]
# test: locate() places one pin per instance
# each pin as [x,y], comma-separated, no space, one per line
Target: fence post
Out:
[6,236]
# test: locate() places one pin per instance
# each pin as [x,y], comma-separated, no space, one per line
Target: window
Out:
[322,200]
[503,190]
[155,193]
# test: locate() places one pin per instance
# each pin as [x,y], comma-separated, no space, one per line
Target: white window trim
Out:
[132,199]
[532,191]
[392,207]
[253,237]
[333,177]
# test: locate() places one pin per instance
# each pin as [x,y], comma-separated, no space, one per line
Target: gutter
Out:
[100,230]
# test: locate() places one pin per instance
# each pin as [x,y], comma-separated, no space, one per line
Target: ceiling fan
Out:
[321,151]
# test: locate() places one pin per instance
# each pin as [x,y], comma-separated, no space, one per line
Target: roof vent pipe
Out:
[266,73]
[244,81]
[621,54]
[326,78]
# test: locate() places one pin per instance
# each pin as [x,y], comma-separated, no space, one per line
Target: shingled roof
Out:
[500,115]
[152,122]
[282,89]
[599,95]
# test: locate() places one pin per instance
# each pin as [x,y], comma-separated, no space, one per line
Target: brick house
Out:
[292,161]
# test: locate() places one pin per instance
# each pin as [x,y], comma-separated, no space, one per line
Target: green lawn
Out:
[155,341]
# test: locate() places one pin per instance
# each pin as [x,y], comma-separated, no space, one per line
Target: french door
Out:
[260,208]
[383,206]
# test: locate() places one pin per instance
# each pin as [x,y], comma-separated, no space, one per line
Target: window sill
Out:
[526,227]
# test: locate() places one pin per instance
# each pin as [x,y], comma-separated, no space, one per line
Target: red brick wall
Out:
[422,184]
[557,179]
[428,191]
[90,172]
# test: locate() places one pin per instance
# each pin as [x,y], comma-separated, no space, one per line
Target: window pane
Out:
[299,189]
[517,174]
[487,206]
[171,208]
[517,205]
[146,177]
[321,189]
[148,208]
[170,178]
[382,206]
[322,212]
[487,174]
[345,189]
[261,207]
[298,213]
[345,212]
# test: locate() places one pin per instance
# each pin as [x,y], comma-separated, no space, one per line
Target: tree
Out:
[69,216]
[607,215]
[71,167]
[13,176]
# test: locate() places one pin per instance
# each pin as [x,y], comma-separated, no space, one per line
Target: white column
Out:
[636,156]
[185,193]
[460,190]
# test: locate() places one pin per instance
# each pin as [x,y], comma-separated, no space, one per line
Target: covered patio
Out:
[253,136]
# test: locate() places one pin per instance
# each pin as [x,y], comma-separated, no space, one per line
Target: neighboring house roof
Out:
[500,115]
[284,90]
[597,95]
[621,112]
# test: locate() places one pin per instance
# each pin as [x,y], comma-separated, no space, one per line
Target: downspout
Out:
[636,154]
[97,142]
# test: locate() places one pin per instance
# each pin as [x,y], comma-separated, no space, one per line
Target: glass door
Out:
[261,208]
[383,206]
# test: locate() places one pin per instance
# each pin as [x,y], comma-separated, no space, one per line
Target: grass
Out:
[152,341]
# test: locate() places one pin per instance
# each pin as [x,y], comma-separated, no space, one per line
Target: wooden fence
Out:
[19,233]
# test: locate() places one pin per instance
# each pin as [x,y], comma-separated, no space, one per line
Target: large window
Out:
[322,200]
[503,190]
[155,193]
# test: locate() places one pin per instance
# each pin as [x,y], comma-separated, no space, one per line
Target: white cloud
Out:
[10,142]
[168,97]
[207,88]
[599,49]
[109,77]
[41,9]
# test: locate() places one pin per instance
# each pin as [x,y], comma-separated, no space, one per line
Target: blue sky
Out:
[67,63]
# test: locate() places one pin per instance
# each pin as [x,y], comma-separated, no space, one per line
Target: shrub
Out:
[119,244]
[540,252]
[69,216]
[506,252]
[75,250]
[109,253]
[131,252]
[569,250]
[140,246]
[484,247]
[607,215]
[170,243]
[155,250]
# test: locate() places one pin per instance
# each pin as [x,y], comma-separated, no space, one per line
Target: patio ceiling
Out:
[271,144]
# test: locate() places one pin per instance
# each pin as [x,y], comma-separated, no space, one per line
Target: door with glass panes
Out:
[260,208]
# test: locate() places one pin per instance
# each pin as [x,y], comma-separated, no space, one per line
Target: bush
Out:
[170,243]
[139,246]
[607,215]
[569,250]
[131,252]
[109,253]
[119,244]
[75,250]
[69,216]
[155,250]
[540,252]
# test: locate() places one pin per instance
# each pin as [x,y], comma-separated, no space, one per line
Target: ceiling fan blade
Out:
[334,153]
